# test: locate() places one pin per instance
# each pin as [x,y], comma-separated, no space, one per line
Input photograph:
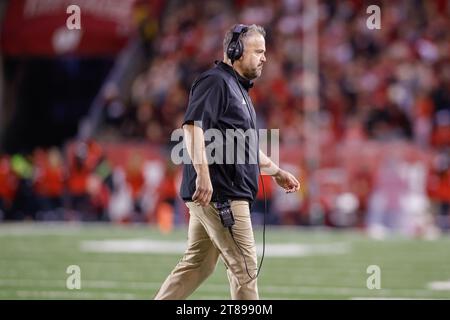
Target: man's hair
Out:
[251,30]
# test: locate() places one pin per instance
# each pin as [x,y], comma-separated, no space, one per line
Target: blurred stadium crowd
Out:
[384,120]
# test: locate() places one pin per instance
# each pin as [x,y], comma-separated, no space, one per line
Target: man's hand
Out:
[203,191]
[287,181]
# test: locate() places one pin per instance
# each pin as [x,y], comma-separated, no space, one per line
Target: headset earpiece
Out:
[236,47]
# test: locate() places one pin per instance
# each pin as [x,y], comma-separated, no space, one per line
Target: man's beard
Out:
[253,73]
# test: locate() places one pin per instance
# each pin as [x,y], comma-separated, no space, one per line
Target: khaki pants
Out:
[207,240]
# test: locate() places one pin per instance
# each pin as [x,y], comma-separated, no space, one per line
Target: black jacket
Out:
[216,102]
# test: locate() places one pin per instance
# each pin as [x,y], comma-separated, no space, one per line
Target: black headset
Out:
[236,46]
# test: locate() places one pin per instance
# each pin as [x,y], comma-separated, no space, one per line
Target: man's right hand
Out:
[203,192]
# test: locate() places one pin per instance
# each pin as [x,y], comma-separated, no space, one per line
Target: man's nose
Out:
[263,58]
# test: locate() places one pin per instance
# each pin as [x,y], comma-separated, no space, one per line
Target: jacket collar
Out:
[247,84]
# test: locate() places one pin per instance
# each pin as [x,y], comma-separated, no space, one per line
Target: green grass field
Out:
[131,262]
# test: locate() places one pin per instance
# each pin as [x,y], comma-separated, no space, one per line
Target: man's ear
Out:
[240,59]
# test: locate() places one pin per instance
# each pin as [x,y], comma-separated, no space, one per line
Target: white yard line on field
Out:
[54,294]
[439,285]
[178,247]
[54,286]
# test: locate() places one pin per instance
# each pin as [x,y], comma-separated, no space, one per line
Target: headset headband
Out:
[236,47]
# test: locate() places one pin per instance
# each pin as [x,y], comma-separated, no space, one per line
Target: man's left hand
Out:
[287,181]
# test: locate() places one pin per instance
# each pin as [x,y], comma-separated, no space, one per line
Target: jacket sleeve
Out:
[207,100]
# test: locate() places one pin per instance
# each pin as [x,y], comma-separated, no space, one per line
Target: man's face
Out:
[253,58]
